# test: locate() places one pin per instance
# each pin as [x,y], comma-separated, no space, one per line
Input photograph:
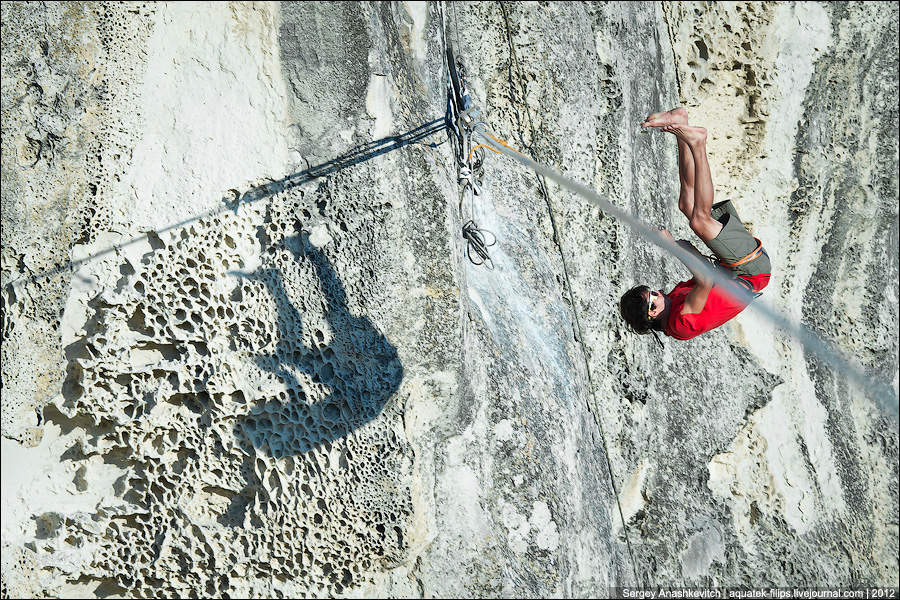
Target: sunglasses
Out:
[650,302]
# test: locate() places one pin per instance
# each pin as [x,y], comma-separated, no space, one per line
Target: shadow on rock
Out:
[331,388]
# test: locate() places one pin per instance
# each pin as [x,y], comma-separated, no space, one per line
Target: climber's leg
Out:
[686,177]
[702,222]
[685,158]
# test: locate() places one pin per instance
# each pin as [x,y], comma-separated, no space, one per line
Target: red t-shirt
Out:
[719,308]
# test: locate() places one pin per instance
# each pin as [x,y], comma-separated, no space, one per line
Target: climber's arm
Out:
[696,298]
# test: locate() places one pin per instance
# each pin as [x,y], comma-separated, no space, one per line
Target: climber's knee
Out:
[705,227]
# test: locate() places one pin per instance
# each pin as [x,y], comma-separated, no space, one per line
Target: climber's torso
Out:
[719,308]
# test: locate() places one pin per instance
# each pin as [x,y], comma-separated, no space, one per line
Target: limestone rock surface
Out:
[244,351]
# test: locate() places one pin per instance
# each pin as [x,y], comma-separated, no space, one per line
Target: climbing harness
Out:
[746,259]
[722,265]
[462,122]
[726,269]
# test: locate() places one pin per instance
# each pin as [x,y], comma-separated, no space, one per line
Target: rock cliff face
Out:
[244,351]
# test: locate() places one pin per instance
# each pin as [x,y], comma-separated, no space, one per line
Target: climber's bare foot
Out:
[692,136]
[675,116]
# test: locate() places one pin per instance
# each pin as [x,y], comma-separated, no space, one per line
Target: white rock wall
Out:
[244,352]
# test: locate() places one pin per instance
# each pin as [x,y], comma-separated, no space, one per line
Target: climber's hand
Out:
[666,235]
[686,245]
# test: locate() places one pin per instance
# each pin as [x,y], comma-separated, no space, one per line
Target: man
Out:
[698,305]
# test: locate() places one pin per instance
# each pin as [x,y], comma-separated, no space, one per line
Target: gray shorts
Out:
[734,242]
